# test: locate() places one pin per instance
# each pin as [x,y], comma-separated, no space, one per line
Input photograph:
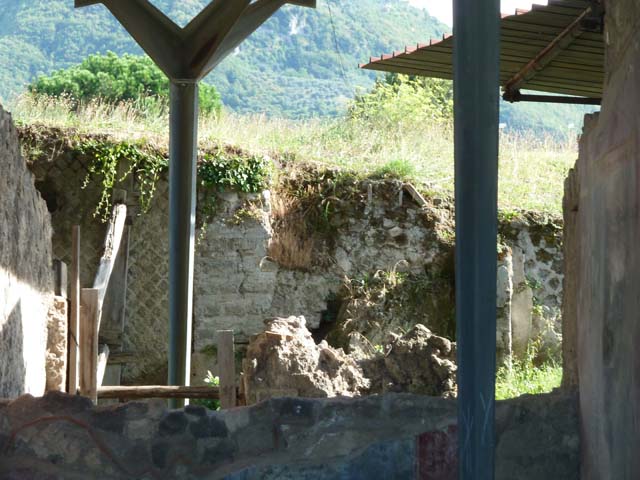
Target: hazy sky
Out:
[441,9]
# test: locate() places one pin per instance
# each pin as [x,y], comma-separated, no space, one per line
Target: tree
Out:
[115,79]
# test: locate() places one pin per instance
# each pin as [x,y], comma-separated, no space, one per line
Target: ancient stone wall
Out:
[26,281]
[394,436]
[237,285]
[607,231]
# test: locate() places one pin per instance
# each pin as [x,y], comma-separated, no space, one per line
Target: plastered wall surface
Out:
[26,283]
[608,228]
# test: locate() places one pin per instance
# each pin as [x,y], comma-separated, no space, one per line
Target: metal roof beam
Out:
[546,56]
[255,15]
[186,55]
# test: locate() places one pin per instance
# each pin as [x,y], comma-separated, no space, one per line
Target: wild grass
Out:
[532,169]
[290,246]
[525,377]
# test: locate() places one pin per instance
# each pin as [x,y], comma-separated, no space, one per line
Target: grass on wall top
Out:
[532,170]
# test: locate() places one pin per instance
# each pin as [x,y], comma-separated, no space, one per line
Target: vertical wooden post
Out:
[89,317]
[226,369]
[74,311]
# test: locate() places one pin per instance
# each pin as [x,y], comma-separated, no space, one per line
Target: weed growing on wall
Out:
[223,171]
[113,162]
[210,381]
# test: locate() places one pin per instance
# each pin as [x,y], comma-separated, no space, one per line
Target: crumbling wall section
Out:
[237,285]
[26,281]
[395,436]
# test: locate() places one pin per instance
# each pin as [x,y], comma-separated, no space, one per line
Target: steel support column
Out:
[183,147]
[476,94]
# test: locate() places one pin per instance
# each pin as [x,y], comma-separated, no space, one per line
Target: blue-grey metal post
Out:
[183,145]
[476,93]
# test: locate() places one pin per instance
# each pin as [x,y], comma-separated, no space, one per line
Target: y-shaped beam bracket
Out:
[186,55]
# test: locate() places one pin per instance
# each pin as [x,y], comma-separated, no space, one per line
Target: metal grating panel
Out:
[577,69]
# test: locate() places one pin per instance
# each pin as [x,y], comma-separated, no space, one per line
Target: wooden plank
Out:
[103,358]
[226,369]
[114,308]
[89,318]
[415,194]
[157,391]
[74,312]
[113,239]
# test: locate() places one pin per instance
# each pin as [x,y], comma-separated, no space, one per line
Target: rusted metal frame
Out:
[519,97]
[542,59]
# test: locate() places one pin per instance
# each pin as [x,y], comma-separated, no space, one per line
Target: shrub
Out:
[117,78]
[400,99]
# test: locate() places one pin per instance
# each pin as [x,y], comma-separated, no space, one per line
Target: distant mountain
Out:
[301,63]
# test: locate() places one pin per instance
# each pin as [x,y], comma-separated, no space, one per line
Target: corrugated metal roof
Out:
[574,67]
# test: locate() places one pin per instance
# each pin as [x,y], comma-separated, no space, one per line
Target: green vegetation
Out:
[117,79]
[209,381]
[525,377]
[397,98]
[301,64]
[532,168]
[218,169]
[293,66]
[107,159]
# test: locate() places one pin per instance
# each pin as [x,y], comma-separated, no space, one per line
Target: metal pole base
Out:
[183,147]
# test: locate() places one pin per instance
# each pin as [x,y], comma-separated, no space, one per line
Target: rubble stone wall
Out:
[395,436]
[237,286]
[26,280]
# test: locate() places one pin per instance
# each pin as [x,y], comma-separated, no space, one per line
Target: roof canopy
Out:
[557,48]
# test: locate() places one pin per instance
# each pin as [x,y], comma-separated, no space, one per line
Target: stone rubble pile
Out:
[284,360]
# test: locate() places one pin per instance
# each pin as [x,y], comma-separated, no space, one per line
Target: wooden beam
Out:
[89,319]
[158,391]
[112,243]
[226,369]
[416,195]
[74,311]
